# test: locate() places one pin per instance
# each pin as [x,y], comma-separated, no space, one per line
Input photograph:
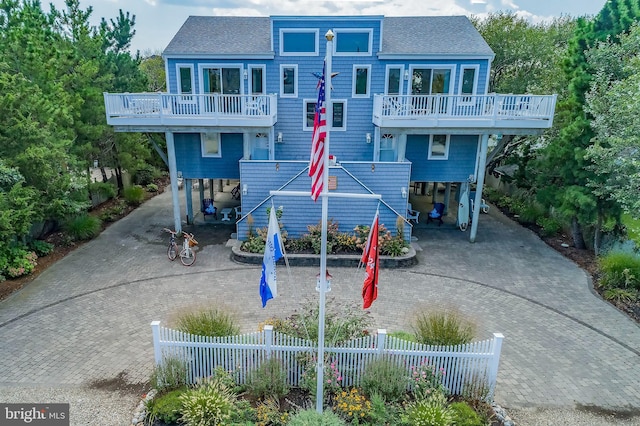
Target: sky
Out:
[157,21]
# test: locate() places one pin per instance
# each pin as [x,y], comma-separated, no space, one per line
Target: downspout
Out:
[482,164]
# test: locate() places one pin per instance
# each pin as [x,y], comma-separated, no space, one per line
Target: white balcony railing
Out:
[163,108]
[533,111]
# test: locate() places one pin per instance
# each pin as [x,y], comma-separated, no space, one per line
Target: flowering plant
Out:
[332,378]
[351,405]
[426,379]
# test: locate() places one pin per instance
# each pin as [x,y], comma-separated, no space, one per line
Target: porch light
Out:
[245,74]
[280,138]
[244,189]
[406,74]
[328,289]
[368,137]
[403,191]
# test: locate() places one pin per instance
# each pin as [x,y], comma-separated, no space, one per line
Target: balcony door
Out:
[221,81]
[431,81]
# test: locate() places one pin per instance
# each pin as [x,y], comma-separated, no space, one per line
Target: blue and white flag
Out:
[272,253]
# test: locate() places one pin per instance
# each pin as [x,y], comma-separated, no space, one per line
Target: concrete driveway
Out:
[87,317]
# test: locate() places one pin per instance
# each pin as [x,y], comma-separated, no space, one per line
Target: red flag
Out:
[371,258]
[316,165]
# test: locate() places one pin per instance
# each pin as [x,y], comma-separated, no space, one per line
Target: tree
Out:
[565,169]
[614,103]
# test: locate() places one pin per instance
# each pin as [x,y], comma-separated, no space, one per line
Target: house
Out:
[409,97]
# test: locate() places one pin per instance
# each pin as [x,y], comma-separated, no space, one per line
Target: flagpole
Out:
[323,241]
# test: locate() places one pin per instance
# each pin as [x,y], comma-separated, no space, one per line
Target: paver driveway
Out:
[87,317]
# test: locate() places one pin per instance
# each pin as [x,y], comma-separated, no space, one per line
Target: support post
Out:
[447,198]
[157,351]
[477,202]
[495,361]
[173,175]
[188,195]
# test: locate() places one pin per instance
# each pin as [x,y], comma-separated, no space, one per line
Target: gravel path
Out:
[560,416]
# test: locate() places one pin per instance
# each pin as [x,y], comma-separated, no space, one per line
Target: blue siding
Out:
[386,179]
[463,152]
[193,165]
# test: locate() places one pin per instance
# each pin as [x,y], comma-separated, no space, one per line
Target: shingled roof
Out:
[422,35]
[432,35]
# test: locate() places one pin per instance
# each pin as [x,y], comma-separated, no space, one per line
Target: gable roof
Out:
[432,35]
[222,35]
[401,36]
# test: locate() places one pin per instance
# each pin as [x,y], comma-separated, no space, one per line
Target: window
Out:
[185,75]
[430,81]
[221,80]
[299,42]
[339,114]
[393,84]
[289,80]
[361,81]
[438,147]
[353,42]
[468,82]
[211,145]
[257,82]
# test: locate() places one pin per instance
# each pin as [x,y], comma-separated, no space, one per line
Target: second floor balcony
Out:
[136,111]
[517,113]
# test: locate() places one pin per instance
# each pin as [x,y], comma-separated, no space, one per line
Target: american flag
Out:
[316,165]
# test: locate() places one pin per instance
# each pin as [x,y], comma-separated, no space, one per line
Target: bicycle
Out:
[187,253]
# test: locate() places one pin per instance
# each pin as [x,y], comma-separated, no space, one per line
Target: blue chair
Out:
[436,213]
[208,208]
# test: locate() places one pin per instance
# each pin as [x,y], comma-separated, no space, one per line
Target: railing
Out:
[466,368]
[163,104]
[493,106]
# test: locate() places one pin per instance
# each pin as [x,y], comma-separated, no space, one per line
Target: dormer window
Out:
[298,42]
[353,42]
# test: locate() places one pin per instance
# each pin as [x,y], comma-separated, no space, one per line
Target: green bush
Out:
[210,403]
[385,377]
[464,415]
[16,261]
[170,374]
[134,195]
[620,270]
[113,212]
[550,226]
[166,407]
[404,335]
[41,248]
[214,322]
[104,189]
[443,327]
[269,379]
[530,211]
[83,227]
[313,418]
[144,175]
[152,187]
[432,411]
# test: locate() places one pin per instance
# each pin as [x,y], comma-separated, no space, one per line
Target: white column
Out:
[477,202]
[173,175]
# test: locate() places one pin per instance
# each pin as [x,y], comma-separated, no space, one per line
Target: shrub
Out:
[530,211]
[432,411]
[464,415]
[105,189]
[404,335]
[209,403]
[213,322]
[83,227]
[269,413]
[313,418]
[352,405]
[269,379]
[443,327]
[244,414]
[41,248]
[152,187]
[425,380]
[16,261]
[170,374]
[113,212]
[620,270]
[166,408]
[550,226]
[134,195]
[381,413]
[332,377]
[144,175]
[386,378]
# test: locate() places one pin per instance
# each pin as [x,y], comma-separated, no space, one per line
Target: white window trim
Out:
[353,83]
[207,155]
[353,30]
[201,68]
[250,68]
[386,79]
[446,148]
[299,30]
[433,67]
[295,81]
[306,128]
[464,101]
[188,98]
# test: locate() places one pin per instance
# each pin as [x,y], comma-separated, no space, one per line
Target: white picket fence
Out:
[467,368]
